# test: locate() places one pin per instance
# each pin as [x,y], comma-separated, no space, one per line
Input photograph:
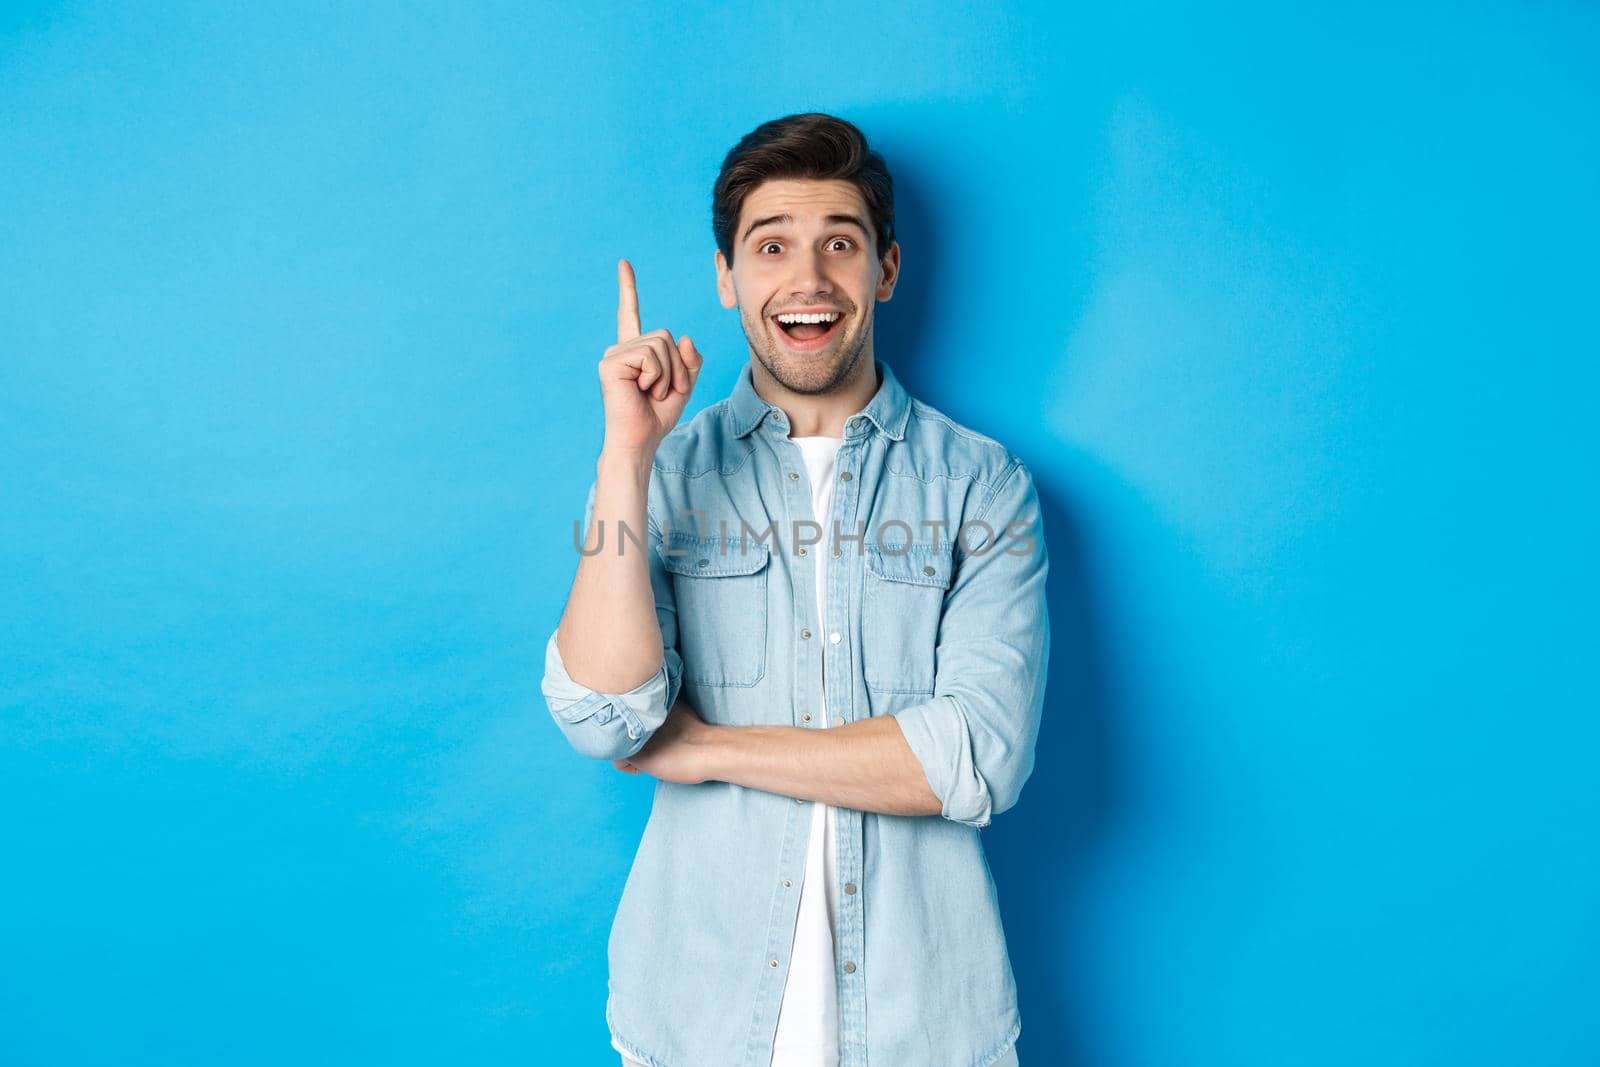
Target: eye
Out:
[768,244]
[847,241]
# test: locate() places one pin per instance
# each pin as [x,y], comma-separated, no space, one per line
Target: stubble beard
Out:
[808,376]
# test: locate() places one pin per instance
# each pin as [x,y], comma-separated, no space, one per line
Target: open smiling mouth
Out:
[810,334]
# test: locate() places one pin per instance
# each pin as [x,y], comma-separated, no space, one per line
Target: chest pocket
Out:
[901,602]
[720,586]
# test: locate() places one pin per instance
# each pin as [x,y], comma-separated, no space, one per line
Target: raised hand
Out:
[645,378]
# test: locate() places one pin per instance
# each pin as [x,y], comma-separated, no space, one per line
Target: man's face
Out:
[804,245]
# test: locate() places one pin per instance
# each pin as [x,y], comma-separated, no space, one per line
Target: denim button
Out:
[805,716]
[800,551]
[805,633]
[835,638]
[772,963]
[838,720]
[849,968]
[849,887]
[845,477]
[926,570]
[787,883]
[794,476]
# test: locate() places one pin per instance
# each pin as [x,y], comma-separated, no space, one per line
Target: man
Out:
[816,615]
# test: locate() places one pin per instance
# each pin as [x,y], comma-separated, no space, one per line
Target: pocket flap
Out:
[713,557]
[918,564]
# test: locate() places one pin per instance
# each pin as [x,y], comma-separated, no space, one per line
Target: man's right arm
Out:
[611,669]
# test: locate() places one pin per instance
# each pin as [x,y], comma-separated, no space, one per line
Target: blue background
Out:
[1290,309]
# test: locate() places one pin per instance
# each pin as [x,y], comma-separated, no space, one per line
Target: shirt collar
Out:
[888,409]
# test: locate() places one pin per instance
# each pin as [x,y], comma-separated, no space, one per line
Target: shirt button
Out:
[927,571]
[799,800]
[704,563]
[805,716]
[845,477]
[772,963]
[838,720]
[794,476]
[834,637]
[849,968]
[787,883]
[805,633]
[800,551]
[849,887]
[836,553]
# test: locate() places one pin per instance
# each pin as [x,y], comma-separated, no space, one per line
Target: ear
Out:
[725,283]
[890,266]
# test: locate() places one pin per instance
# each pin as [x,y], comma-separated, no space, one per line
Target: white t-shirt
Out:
[808,1017]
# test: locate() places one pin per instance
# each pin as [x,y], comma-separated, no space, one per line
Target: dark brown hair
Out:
[810,145]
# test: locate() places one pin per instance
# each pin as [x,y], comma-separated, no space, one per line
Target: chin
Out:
[811,373]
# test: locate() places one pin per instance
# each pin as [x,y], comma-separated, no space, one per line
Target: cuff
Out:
[609,725]
[939,737]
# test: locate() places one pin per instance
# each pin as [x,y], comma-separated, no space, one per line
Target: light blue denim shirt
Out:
[951,636]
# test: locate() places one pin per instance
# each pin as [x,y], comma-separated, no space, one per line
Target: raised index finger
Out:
[627,303]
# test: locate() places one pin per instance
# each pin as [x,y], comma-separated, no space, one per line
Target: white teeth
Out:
[821,316]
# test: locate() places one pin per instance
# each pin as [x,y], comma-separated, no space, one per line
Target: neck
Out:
[819,414]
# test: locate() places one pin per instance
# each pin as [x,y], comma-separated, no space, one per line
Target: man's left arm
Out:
[965,753]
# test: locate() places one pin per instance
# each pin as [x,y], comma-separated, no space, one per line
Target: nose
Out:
[810,276]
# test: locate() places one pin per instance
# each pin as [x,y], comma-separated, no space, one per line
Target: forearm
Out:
[609,637]
[864,765]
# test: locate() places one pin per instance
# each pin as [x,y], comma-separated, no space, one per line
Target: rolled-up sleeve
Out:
[609,725]
[613,726]
[975,738]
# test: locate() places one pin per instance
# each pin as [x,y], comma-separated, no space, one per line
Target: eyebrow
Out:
[844,220]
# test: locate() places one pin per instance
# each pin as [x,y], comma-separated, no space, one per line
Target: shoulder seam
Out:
[994,493]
